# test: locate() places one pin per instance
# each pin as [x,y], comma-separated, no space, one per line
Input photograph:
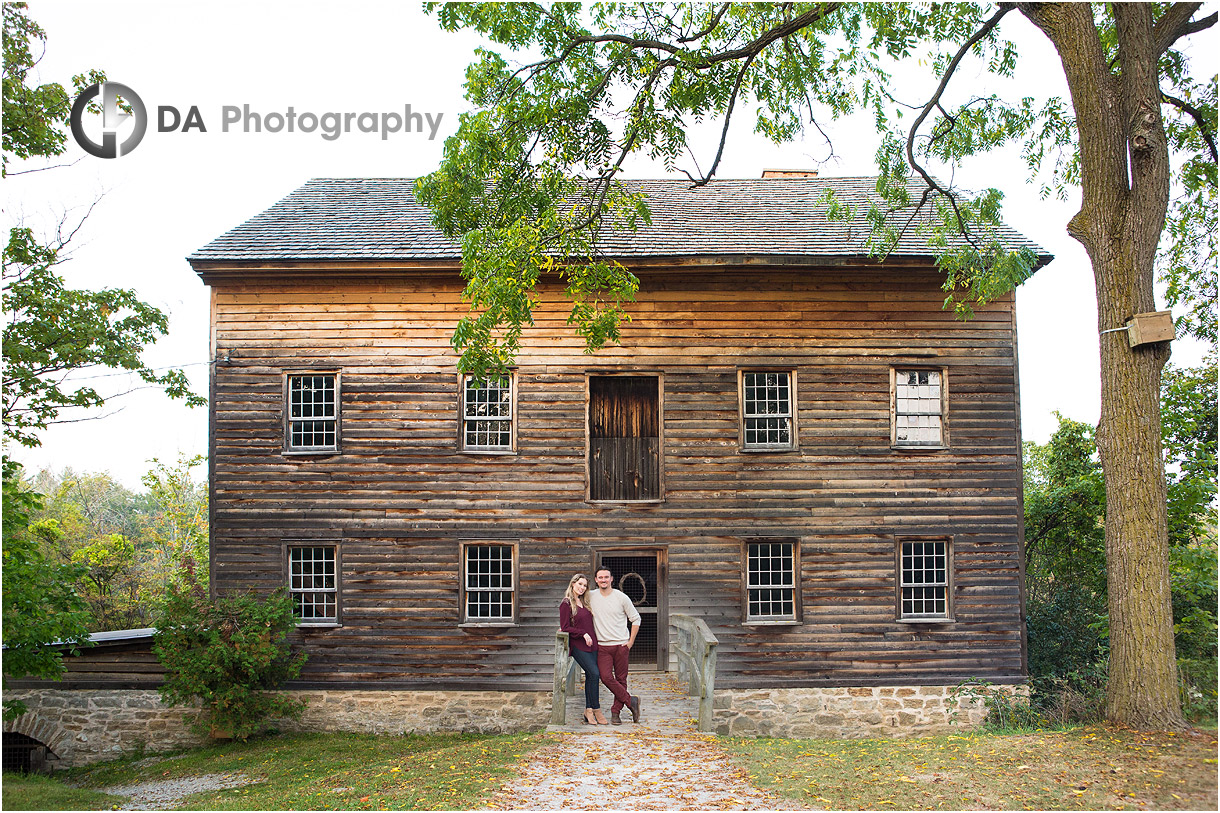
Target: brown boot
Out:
[601,718]
[615,719]
[635,709]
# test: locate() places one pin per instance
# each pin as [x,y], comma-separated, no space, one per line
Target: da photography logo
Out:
[112,119]
[119,103]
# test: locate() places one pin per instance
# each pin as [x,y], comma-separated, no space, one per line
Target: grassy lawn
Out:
[1092,768]
[44,793]
[304,772]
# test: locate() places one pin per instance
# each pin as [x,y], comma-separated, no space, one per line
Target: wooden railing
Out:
[565,679]
[696,650]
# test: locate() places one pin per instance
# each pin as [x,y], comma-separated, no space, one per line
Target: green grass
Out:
[318,772]
[44,793]
[1090,768]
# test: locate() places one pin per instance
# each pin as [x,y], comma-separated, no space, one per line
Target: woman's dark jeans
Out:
[588,662]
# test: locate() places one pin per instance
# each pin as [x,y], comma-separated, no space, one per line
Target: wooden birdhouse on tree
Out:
[1149,328]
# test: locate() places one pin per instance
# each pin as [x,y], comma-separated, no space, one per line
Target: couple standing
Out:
[596,624]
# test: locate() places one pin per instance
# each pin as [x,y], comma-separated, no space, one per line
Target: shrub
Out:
[1068,653]
[1074,697]
[1064,627]
[39,603]
[1006,710]
[1197,683]
[230,654]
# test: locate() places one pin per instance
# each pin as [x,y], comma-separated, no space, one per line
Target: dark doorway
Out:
[636,573]
[624,438]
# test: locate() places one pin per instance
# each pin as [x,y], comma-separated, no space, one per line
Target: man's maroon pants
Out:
[612,663]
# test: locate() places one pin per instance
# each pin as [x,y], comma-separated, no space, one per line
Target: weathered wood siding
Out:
[400,496]
[125,665]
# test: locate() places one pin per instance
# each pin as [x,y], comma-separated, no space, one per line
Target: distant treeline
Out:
[127,545]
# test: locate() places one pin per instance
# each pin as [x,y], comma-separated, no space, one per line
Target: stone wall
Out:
[400,712]
[85,726]
[859,711]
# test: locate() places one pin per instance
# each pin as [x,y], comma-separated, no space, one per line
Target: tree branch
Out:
[934,102]
[632,42]
[601,187]
[1175,24]
[776,33]
[923,201]
[728,117]
[716,18]
[41,169]
[752,48]
[1197,115]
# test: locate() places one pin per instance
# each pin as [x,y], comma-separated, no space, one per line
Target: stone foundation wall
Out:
[863,711]
[85,726]
[404,712]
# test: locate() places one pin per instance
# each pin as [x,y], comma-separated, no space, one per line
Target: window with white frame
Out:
[919,408]
[771,580]
[313,583]
[489,583]
[924,584]
[487,414]
[767,410]
[313,412]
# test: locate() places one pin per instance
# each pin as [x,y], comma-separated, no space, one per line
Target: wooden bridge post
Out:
[697,653]
[559,700]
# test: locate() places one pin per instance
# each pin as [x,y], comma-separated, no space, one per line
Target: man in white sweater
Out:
[612,611]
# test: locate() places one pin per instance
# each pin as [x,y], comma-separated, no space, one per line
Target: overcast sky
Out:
[177,190]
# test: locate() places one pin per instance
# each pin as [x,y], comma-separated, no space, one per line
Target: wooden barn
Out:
[795,444]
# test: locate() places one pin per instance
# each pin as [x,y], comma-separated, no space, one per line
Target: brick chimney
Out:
[790,173]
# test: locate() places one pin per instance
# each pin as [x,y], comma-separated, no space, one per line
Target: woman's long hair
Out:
[570,595]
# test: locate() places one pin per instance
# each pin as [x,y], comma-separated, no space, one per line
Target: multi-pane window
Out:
[918,408]
[488,574]
[925,578]
[313,583]
[313,412]
[767,410]
[770,581]
[487,414]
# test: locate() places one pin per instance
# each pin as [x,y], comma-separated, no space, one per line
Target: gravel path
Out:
[662,763]
[165,794]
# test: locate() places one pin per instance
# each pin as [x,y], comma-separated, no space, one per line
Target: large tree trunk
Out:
[1143,686]
[1125,188]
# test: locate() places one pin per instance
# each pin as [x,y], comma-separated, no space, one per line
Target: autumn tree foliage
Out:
[127,547]
[531,180]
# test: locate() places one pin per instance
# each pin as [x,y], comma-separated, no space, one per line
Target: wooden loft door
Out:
[624,438]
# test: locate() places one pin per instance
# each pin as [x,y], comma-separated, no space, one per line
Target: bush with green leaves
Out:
[1007,709]
[40,606]
[1075,696]
[230,654]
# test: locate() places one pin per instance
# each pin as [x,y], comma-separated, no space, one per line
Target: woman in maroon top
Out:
[576,620]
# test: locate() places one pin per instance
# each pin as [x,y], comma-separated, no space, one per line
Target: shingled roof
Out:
[379,219]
